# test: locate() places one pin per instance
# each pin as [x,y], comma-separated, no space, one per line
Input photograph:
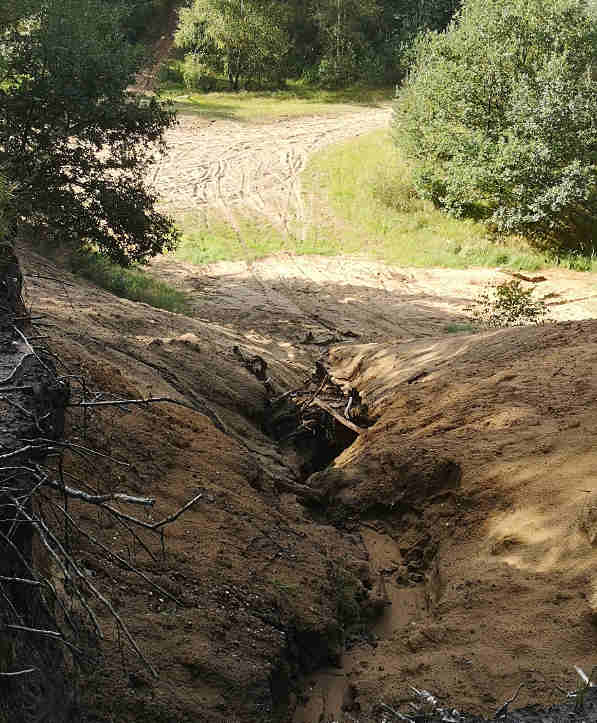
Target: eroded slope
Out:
[501,560]
[468,505]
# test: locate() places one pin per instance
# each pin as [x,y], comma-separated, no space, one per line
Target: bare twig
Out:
[101,499]
[27,671]
[503,710]
[121,560]
[78,448]
[171,518]
[47,533]
[20,580]
[36,631]
[154,525]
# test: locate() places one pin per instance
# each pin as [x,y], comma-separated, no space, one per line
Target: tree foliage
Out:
[500,112]
[333,42]
[242,39]
[74,144]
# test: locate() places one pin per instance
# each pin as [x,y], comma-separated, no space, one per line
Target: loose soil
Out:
[450,547]
[467,506]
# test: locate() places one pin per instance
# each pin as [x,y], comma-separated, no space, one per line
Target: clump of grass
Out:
[460,328]
[395,191]
[129,283]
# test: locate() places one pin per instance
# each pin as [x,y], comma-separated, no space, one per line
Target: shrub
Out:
[508,304]
[500,115]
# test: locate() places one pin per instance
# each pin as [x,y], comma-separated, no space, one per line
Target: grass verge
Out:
[133,283]
[261,106]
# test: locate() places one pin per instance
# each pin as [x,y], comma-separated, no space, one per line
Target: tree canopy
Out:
[242,39]
[74,144]
[500,115]
[334,42]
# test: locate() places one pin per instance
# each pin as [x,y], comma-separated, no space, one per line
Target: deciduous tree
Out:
[244,39]
[500,113]
[74,144]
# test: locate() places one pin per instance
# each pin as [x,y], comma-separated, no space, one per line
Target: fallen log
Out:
[336,415]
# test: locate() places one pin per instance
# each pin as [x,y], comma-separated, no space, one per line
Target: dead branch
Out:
[36,631]
[120,560]
[503,710]
[79,449]
[155,525]
[47,535]
[338,417]
[101,499]
[20,580]
[173,517]
[124,402]
[22,479]
[21,451]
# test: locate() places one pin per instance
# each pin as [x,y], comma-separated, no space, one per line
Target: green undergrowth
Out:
[258,106]
[131,283]
[366,183]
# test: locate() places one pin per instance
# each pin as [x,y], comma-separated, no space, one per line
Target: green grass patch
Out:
[208,239]
[134,283]
[366,182]
[261,106]
[462,328]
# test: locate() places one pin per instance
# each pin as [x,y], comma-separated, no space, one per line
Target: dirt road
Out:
[227,164]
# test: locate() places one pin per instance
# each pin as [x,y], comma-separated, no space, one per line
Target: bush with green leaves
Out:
[508,304]
[75,145]
[500,116]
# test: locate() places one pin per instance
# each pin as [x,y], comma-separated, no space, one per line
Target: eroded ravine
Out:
[511,542]
[333,693]
[491,581]
[293,310]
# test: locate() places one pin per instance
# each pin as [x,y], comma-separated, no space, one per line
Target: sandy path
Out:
[256,168]
[235,169]
[349,298]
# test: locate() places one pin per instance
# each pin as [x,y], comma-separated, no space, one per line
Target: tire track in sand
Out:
[240,170]
[248,167]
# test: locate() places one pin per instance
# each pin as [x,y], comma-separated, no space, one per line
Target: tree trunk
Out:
[32,403]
